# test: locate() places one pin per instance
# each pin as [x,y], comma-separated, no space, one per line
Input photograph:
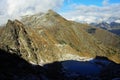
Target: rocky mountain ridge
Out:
[48,37]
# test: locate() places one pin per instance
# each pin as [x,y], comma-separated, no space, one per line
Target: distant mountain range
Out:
[112,19]
[113,27]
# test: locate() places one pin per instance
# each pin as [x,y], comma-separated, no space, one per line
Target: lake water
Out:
[92,67]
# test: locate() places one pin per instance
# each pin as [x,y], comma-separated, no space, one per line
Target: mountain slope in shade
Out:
[13,67]
[48,37]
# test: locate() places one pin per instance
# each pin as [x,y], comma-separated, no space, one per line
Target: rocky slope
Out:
[34,45]
[80,37]
[46,46]
[48,37]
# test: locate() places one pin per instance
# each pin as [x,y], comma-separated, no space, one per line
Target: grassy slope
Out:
[50,36]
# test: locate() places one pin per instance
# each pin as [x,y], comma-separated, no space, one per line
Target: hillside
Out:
[87,40]
[48,37]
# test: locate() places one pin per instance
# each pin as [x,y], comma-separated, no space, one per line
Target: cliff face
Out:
[48,37]
[15,39]
[34,45]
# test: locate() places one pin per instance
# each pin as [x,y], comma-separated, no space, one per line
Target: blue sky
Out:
[85,2]
[78,10]
[89,2]
[67,3]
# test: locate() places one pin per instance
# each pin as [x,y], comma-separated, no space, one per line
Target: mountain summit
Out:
[46,46]
[49,37]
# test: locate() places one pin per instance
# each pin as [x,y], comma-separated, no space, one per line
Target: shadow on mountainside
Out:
[12,67]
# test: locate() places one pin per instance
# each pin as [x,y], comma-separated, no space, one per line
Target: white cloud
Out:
[10,9]
[93,13]
[15,8]
[105,2]
[118,21]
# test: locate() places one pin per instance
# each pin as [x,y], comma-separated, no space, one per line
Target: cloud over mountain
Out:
[16,8]
[10,9]
[92,13]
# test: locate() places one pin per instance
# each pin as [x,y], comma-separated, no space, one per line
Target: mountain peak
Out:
[15,22]
[18,22]
[50,33]
[52,13]
[9,21]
